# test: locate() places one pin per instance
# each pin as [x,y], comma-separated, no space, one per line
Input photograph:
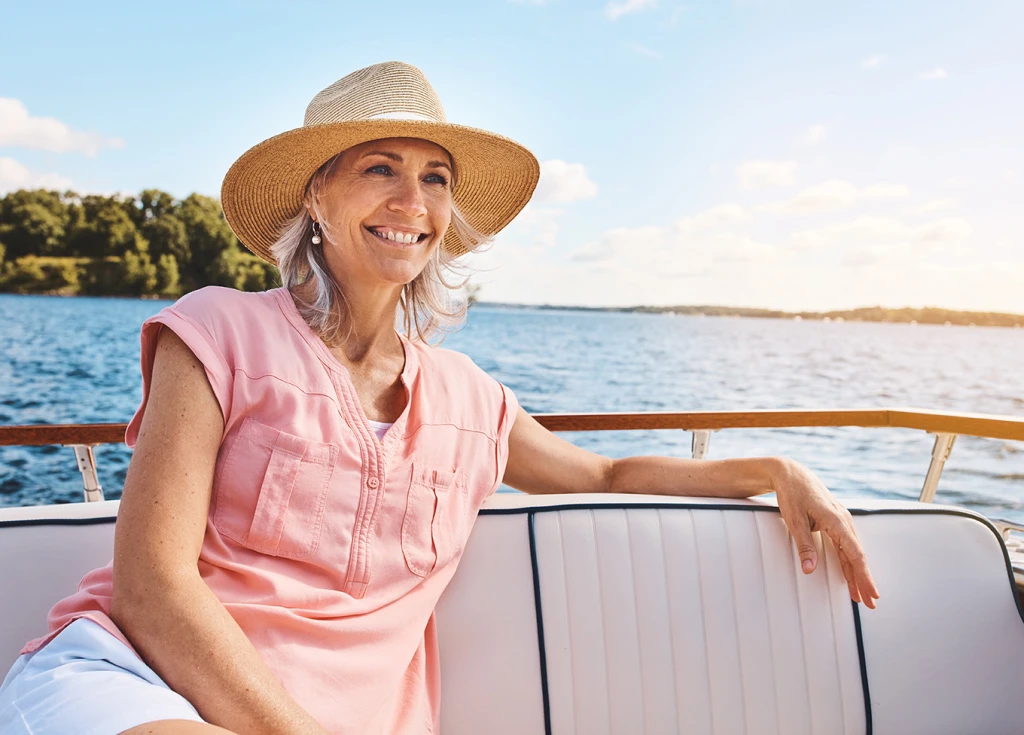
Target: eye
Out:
[437,179]
[380,168]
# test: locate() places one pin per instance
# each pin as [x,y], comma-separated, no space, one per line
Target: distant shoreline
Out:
[928,315]
[878,314]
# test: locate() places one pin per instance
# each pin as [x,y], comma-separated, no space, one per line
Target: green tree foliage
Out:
[105,228]
[153,203]
[147,245]
[36,274]
[34,223]
[166,235]
[167,276]
[137,274]
[208,236]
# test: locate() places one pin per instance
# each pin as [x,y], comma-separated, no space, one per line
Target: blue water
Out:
[76,361]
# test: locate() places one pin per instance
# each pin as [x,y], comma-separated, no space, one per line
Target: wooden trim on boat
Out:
[994,427]
[64,434]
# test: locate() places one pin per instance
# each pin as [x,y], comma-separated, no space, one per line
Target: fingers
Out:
[848,575]
[853,562]
[802,535]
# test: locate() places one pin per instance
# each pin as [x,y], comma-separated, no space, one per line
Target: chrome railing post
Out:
[700,442]
[940,453]
[87,465]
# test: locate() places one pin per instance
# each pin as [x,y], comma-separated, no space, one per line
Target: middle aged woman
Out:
[305,476]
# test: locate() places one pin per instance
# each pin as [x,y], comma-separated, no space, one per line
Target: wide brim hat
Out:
[266,186]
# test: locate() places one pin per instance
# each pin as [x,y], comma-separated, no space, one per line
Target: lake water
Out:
[76,361]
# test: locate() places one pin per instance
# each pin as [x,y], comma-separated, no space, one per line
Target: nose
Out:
[408,198]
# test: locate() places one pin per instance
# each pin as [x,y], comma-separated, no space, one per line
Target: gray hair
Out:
[428,302]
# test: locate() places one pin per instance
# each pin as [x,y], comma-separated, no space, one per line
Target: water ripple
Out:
[76,361]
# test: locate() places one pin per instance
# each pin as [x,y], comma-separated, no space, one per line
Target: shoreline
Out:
[932,316]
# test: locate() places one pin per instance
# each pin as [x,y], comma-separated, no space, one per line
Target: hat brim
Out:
[264,188]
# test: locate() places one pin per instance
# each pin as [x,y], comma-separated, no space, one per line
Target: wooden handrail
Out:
[994,427]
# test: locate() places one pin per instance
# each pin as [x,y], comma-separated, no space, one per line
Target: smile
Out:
[398,236]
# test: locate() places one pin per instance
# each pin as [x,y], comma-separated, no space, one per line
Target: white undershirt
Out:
[379,428]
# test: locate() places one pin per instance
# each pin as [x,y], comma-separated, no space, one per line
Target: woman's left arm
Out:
[541,462]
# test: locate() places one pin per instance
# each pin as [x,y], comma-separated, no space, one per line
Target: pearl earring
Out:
[316,233]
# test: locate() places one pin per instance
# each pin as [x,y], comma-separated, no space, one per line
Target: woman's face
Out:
[387,205]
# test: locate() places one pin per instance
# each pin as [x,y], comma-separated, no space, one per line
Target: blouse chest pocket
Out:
[437,518]
[272,490]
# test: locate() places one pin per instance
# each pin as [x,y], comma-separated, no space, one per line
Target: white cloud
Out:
[872,62]
[535,227]
[873,240]
[935,74]
[832,195]
[815,134]
[934,205]
[694,245]
[15,175]
[614,11]
[764,174]
[18,128]
[620,242]
[564,182]
[722,214]
[643,51]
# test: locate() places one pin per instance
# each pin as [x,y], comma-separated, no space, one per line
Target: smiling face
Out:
[385,208]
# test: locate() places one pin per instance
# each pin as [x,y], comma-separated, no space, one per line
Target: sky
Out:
[792,154]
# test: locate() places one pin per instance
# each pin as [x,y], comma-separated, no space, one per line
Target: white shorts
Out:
[87,682]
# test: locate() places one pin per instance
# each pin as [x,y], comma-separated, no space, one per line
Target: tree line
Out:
[146,245]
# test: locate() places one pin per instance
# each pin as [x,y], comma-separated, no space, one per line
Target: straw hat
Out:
[495,176]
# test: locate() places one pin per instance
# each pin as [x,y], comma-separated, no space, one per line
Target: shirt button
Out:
[373,482]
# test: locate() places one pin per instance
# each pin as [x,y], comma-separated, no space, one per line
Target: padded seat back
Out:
[660,615]
[633,614]
[44,552]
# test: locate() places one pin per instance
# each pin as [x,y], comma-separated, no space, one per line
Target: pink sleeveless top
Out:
[328,545]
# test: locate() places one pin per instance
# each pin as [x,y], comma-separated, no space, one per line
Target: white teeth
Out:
[406,238]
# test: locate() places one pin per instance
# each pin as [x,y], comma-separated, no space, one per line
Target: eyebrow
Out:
[398,159]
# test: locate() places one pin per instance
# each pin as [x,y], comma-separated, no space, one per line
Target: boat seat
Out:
[640,614]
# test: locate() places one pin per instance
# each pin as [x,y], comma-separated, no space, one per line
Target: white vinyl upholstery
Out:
[667,616]
[44,552]
[659,620]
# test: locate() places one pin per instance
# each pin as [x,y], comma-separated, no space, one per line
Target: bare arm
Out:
[540,462]
[160,601]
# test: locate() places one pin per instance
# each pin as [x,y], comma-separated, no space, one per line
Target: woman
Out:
[305,476]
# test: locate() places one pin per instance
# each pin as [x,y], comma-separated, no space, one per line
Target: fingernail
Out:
[808,565]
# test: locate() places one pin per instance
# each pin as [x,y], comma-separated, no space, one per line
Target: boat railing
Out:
[944,426]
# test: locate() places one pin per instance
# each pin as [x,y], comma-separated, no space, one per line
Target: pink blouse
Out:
[329,545]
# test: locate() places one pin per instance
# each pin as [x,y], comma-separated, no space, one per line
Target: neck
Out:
[366,319]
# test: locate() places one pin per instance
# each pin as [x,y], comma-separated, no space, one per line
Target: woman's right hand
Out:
[160,601]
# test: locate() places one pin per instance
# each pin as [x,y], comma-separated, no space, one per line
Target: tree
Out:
[35,223]
[167,276]
[166,235]
[153,203]
[136,274]
[106,229]
[208,237]
[34,274]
